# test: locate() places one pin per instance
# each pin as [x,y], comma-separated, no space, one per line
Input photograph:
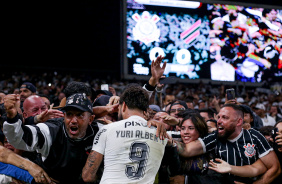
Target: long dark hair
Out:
[198,122]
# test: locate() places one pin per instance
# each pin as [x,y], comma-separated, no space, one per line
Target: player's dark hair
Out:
[135,97]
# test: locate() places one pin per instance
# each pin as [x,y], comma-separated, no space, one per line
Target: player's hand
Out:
[170,120]
[114,100]
[112,108]
[161,131]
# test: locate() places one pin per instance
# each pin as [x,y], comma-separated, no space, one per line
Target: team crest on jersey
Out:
[250,150]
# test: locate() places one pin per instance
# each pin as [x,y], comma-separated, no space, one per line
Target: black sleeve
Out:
[29,121]
[149,87]
[209,141]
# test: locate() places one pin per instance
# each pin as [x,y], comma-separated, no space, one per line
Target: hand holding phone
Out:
[230,93]
[168,80]
[274,134]
[105,87]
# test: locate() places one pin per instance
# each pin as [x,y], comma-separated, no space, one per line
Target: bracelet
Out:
[159,91]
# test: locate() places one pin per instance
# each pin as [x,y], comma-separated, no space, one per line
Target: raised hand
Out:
[11,104]
[157,71]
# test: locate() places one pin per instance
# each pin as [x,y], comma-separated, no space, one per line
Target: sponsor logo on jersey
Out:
[98,136]
[250,150]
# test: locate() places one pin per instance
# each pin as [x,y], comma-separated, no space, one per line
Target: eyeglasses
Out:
[178,110]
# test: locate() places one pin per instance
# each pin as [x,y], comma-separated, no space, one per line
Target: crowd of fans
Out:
[188,112]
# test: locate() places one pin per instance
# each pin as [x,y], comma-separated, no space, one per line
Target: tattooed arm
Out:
[92,164]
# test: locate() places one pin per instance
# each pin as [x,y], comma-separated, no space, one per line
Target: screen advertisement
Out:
[218,42]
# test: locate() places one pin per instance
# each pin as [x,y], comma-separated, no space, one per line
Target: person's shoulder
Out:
[251,130]
[214,133]
[254,132]
[55,122]
[114,125]
[270,117]
[210,136]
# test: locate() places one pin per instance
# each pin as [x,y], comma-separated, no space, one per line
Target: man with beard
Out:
[27,89]
[236,146]
[131,150]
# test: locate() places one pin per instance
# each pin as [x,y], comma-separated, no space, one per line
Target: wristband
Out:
[159,91]
[149,87]
[14,119]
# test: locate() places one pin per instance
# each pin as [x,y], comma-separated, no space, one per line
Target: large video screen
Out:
[217,42]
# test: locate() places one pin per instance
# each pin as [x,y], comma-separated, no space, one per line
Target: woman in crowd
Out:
[194,169]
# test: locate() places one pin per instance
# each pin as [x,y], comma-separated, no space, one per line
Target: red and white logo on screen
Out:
[146,29]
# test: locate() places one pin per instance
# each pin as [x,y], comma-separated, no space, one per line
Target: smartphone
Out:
[105,87]
[274,134]
[168,80]
[230,94]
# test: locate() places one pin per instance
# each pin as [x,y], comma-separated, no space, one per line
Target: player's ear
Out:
[123,107]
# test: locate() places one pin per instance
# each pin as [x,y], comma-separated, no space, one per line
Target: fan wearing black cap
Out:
[27,89]
[65,146]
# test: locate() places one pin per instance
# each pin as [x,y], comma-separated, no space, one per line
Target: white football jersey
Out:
[132,152]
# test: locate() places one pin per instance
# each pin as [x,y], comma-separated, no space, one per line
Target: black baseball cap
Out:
[79,101]
[101,101]
[29,86]
[246,109]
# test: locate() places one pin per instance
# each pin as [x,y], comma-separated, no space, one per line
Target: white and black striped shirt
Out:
[245,149]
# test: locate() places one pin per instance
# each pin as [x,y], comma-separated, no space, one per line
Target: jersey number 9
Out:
[139,152]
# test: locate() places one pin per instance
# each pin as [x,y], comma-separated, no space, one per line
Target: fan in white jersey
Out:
[132,152]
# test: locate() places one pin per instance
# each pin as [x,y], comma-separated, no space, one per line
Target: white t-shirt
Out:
[268,121]
[132,152]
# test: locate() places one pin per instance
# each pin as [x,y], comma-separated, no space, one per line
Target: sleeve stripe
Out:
[211,142]
[265,153]
[27,135]
[203,144]
[41,139]
[46,133]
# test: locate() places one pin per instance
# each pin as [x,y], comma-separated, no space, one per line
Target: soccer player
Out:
[132,152]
